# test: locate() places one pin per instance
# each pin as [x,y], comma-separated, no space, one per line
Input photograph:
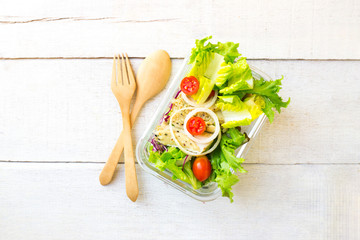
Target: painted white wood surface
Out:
[59,120]
[307,29]
[63,110]
[65,201]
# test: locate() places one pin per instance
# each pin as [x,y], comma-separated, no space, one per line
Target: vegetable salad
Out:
[198,135]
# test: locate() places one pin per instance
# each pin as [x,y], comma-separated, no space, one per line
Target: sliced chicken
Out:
[163,135]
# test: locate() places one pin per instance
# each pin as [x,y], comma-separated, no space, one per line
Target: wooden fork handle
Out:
[132,189]
[107,173]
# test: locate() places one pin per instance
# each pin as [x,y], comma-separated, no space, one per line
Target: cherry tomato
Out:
[196,126]
[190,85]
[201,168]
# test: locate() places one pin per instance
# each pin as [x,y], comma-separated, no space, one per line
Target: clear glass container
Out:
[210,191]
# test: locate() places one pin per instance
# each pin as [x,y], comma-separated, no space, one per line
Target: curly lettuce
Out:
[204,91]
[204,52]
[237,75]
[240,113]
[224,162]
[224,74]
[255,104]
[235,112]
[201,55]
[168,159]
[229,50]
[269,91]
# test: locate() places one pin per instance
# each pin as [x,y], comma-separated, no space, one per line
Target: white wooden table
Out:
[59,120]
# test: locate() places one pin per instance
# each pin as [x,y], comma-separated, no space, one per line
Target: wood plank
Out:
[278,30]
[66,201]
[63,110]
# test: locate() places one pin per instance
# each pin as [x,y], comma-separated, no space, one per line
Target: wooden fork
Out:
[123,86]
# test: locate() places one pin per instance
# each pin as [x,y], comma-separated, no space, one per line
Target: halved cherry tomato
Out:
[196,126]
[190,85]
[201,168]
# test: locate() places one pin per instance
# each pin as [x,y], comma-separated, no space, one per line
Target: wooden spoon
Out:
[153,74]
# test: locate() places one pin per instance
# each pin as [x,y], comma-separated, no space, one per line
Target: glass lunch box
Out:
[210,191]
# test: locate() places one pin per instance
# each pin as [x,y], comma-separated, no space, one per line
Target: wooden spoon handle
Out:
[107,173]
[132,189]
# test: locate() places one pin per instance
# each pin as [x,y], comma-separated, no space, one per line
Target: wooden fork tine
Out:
[124,71]
[119,71]
[129,70]
[113,75]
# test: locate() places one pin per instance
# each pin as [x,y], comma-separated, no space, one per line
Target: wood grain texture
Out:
[278,201]
[309,29]
[303,179]
[63,110]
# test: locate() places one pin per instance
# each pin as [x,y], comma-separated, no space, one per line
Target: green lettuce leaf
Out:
[205,52]
[167,160]
[236,119]
[208,80]
[205,88]
[213,70]
[268,109]
[201,56]
[224,162]
[224,74]
[190,176]
[269,91]
[225,182]
[235,138]
[228,50]
[229,142]
[239,77]
[240,113]
[235,111]
[230,103]
[214,67]
[255,104]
